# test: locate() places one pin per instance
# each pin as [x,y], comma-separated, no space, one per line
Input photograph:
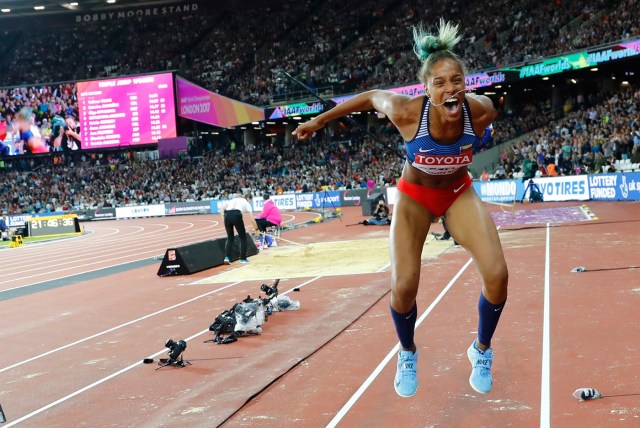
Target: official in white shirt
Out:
[233,212]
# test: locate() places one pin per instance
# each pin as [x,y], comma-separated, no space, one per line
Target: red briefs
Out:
[436,201]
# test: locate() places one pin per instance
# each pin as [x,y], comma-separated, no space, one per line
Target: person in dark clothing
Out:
[71,139]
[529,169]
[233,213]
[381,216]
[4,227]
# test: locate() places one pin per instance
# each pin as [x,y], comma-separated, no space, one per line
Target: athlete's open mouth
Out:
[452,105]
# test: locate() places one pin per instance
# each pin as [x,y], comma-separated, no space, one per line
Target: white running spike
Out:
[586,394]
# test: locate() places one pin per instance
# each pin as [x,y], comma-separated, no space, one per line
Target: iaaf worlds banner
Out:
[196,103]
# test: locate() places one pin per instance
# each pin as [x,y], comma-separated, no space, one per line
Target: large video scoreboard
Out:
[126,111]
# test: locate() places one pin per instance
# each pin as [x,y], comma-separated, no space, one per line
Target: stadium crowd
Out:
[591,139]
[377,55]
[118,179]
[586,140]
[345,45]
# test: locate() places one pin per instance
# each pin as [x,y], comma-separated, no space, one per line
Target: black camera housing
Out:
[270,291]
[175,348]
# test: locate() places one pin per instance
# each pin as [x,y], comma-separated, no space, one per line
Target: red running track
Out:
[77,323]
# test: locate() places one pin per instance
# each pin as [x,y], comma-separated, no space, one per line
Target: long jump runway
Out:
[80,314]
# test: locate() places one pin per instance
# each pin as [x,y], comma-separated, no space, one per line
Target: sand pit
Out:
[320,259]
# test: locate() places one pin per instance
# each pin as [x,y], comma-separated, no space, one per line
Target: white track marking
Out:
[342,412]
[545,387]
[384,268]
[118,327]
[101,260]
[166,240]
[119,372]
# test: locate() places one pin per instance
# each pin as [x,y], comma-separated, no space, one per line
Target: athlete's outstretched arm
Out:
[386,102]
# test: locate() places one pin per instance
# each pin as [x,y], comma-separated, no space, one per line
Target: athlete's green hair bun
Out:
[425,43]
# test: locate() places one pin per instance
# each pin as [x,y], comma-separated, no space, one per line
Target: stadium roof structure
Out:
[22,8]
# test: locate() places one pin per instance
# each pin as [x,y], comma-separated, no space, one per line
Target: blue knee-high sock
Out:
[405,324]
[489,317]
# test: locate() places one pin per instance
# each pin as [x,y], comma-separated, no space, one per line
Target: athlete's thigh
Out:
[472,226]
[409,228]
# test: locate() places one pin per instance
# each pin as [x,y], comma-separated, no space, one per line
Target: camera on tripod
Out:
[270,291]
[175,348]
[535,194]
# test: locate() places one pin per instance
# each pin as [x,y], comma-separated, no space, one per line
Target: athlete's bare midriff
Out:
[416,176]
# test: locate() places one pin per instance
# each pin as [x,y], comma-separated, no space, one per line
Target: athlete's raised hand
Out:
[306,130]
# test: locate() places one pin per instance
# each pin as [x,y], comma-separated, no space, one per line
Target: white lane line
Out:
[117,327]
[384,268]
[71,274]
[545,387]
[101,259]
[341,414]
[119,372]
[88,387]
[97,250]
[100,242]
